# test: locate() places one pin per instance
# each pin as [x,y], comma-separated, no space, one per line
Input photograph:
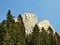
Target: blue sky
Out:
[43,9]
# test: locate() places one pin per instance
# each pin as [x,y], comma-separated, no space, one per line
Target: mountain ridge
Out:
[26,30]
[30,20]
[33,21]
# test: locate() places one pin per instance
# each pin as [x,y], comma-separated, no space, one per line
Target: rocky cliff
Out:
[30,20]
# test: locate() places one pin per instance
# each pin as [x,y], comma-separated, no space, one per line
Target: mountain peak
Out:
[45,24]
[29,20]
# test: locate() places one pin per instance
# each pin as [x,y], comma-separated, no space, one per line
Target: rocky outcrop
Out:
[45,24]
[29,20]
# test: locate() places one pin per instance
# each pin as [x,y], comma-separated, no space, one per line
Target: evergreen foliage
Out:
[57,37]
[2,32]
[43,36]
[13,33]
[35,36]
[21,32]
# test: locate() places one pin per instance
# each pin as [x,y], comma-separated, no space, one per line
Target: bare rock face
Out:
[29,20]
[46,25]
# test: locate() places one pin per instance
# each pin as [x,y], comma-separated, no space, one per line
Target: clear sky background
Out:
[43,9]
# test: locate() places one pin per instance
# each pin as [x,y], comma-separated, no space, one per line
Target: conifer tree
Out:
[20,32]
[13,33]
[57,37]
[28,39]
[43,35]
[9,31]
[35,36]
[2,32]
[51,36]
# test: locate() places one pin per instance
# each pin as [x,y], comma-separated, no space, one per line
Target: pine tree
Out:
[51,36]
[2,32]
[43,35]
[20,32]
[35,36]
[57,37]
[28,39]
[9,31]
[9,20]
[13,33]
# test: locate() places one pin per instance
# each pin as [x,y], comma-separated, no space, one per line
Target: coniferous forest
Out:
[13,33]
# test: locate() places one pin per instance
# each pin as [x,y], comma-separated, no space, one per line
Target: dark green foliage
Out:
[43,35]
[2,32]
[50,30]
[13,33]
[9,20]
[21,32]
[9,29]
[35,36]
[28,39]
[57,37]
[51,37]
